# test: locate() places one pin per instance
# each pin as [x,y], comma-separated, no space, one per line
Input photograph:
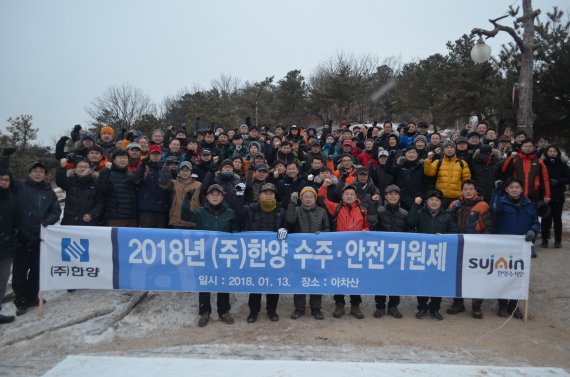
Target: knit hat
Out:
[107,129]
[462,139]
[448,143]
[308,189]
[254,143]
[87,136]
[133,145]
[420,138]
[226,162]
[362,170]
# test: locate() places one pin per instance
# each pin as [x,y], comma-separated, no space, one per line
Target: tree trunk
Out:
[525,116]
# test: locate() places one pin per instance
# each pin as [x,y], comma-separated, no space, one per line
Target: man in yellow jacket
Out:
[448,172]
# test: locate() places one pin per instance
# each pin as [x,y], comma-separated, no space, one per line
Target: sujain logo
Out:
[500,264]
[73,251]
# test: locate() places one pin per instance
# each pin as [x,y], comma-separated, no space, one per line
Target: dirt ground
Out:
[165,325]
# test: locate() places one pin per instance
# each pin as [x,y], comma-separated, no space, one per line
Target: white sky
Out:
[58,55]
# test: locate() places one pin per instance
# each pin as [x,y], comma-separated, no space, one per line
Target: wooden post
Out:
[41,305]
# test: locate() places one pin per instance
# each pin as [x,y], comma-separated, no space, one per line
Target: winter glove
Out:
[75,133]
[63,139]
[310,178]
[77,128]
[294,197]
[553,182]
[46,223]
[240,189]
[498,184]
[281,234]
[529,236]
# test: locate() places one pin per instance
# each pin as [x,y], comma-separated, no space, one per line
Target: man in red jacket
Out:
[526,166]
[348,216]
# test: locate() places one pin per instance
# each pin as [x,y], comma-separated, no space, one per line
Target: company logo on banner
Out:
[76,257]
[71,250]
[500,266]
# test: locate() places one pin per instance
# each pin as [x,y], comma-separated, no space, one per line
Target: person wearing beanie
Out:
[307,217]
[264,215]
[432,218]
[37,205]
[214,215]
[448,172]
[225,177]
[8,234]
[420,143]
[254,180]
[107,141]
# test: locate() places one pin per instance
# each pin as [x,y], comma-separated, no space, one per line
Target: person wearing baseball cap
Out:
[37,206]
[263,215]
[389,217]
[432,219]
[214,215]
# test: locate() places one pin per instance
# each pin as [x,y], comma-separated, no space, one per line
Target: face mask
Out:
[328,143]
[226,175]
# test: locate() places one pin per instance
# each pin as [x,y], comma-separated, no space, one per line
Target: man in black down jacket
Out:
[37,206]
[389,218]
[117,186]
[262,216]
[8,227]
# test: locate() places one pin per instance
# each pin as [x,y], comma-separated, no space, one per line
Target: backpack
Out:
[337,211]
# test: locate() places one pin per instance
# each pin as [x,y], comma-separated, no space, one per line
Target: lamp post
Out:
[525,116]
[481,52]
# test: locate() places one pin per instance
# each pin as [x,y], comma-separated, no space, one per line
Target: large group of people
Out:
[383,177]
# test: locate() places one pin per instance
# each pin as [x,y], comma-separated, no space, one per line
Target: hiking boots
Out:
[456,307]
[338,310]
[421,314]
[297,313]
[544,244]
[317,314]
[6,318]
[379,313]
[394,312]
[436,315]
[477,313]
[252,317]
[273,317]
[557,245]
[356,312]
[502,311]
[204,319]
[227,318]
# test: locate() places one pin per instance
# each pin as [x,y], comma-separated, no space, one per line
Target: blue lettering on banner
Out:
[327,263]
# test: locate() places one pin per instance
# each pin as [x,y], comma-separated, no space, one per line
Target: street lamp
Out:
[481,52]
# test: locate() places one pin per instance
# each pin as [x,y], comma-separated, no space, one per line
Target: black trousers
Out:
[300,301]
[381,301]
[26,274]
[354,299]
[255,302]
[223,303]
[433,306]
[153,219]
[554,217]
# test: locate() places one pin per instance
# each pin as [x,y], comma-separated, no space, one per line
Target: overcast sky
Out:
[58,55]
